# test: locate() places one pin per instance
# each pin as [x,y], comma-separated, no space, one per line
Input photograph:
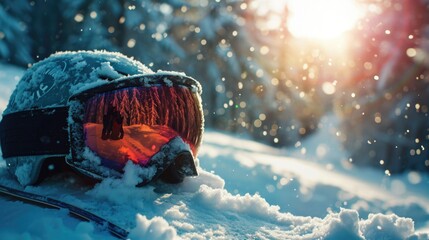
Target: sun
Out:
[317,19]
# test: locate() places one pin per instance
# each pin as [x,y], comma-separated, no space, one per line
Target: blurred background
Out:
[270,69]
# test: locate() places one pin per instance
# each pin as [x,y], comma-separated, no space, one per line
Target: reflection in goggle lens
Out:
[134,123]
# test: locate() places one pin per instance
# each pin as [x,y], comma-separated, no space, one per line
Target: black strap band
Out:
[35,132]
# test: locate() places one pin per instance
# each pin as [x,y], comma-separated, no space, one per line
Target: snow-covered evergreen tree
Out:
[92,24]
[384,107]
[146,31]
[15,44]
[224,52]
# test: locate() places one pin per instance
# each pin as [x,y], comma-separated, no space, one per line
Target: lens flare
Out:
[326,19]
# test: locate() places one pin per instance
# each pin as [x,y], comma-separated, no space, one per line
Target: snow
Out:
[47,225]
[64,73]
[155,228]
[23,173]
[245,190]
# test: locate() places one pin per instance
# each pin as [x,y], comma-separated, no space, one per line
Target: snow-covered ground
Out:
[245,190]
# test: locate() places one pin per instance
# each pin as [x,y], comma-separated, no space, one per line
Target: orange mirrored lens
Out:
[134,123]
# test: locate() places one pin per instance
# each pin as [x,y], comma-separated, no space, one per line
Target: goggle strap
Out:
[35,132]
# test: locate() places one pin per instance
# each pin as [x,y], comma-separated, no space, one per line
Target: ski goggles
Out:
[153,121]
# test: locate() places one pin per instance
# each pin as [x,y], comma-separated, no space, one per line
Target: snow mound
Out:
[156,228]
[250,205]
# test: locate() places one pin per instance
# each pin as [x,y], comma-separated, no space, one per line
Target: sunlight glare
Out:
[317,19]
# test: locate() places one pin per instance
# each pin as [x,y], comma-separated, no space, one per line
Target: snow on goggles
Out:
[154,121]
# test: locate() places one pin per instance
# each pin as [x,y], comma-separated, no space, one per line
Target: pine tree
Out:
[15,43]
[223,46]
[145,32]
[384,106]
[91,24]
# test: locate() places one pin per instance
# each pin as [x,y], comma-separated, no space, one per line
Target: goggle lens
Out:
[134,123]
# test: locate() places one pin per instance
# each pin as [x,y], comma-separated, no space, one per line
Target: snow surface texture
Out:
[245,190]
